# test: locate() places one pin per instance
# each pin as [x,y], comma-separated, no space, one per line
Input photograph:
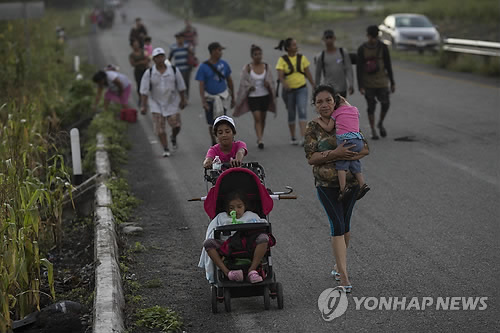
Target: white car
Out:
[410,31]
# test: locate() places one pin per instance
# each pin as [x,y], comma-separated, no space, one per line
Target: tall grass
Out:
[33,175]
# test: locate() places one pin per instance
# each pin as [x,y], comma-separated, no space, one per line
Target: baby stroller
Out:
[250,179]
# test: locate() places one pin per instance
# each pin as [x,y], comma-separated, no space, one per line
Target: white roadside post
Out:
[76,156]
[77,64]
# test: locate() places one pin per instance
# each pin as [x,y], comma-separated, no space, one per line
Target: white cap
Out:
[225,118]
[158,51]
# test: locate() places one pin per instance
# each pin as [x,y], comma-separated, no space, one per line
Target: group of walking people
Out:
[162,82]
[332,141]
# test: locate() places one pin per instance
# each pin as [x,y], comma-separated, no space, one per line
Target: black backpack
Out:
[290,67]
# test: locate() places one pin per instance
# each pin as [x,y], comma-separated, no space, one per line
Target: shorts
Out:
[260,103]
[353,166]
[338,212]
[209,115]
[381,94]
[120,99]
[159,122]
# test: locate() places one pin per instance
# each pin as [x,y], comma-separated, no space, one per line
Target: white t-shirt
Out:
[112,75]
[260,89]
[164,96]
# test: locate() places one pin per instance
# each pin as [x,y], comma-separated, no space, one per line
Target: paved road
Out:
[428,228]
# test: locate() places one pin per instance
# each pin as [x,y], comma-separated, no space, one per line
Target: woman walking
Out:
[140,62]
[293,69]
[256,93]
[321,152]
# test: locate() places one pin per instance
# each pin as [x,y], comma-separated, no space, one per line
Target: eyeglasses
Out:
[328,37]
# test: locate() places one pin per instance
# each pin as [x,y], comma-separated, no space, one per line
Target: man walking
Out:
[138,32]
[333,66]
[214,76]
[374,72]
[179,53]
[162,90]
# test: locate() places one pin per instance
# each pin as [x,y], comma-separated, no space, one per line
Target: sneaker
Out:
[260,145]
[301,142]
[235,275]
[254,277]
[174,142]
[294,142]
[166,152]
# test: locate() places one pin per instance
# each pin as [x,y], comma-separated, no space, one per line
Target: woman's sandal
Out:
[335,274]
[235,275]
[343,193]
[362,191]
[347,289]
[254,277]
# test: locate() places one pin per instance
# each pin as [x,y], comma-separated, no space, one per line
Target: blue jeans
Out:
[296,102]
[353,166]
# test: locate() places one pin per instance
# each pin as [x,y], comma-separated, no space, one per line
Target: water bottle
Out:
[216,164]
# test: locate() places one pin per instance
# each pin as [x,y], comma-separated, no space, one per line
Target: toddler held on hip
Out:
[345,118]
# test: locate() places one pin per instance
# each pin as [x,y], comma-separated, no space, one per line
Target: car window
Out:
[413,21]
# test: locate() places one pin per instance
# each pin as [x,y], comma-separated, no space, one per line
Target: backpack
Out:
[151,74]
[371,65]
[323,59]
[290,67]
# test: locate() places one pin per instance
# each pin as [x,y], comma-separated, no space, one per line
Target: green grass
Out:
[159,317]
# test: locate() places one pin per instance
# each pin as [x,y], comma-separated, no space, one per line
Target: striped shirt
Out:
[179,56]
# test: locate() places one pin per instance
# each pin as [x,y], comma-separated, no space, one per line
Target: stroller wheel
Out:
[279,294]
[267,299]
[227,299]
[214,299]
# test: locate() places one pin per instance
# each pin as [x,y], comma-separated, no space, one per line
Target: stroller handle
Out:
[282,197]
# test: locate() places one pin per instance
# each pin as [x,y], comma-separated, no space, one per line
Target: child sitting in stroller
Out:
[235,201]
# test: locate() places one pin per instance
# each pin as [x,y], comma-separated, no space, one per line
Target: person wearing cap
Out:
[216,85]
[374,72]
[228,150]
[333,66]
[179,53]
[162,91]
[293,70]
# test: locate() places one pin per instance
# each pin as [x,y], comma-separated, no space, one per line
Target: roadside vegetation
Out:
[39,100]
[467,19]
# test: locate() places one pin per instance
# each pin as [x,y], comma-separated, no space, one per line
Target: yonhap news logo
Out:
[333,303]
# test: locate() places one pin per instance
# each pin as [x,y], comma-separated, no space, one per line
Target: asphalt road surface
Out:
[428,228]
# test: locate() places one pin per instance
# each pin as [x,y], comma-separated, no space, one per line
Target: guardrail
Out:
[475,47]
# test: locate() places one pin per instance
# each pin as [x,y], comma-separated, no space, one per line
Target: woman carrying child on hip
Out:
[345,118]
